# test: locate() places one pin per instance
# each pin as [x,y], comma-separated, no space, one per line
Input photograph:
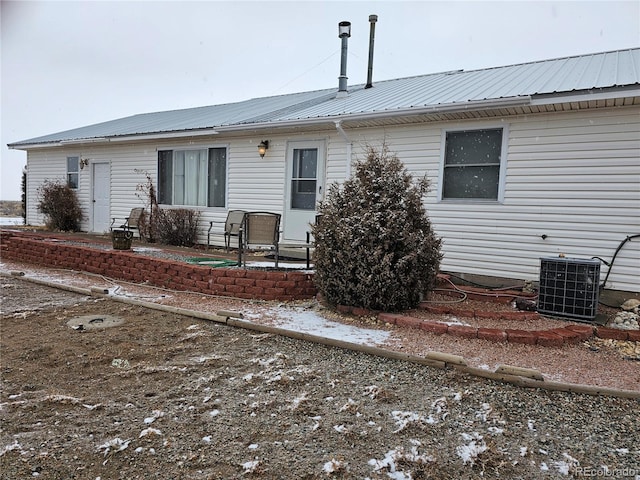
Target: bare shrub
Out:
[148,224]
[177,226]
[60,205]
[375,247]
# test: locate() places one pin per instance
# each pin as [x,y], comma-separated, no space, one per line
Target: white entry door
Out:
[304,187]
[100,197]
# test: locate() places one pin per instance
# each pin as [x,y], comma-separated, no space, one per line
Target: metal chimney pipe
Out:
[372,33]
[344,32]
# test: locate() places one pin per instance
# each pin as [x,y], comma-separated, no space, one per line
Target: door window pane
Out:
[303,178]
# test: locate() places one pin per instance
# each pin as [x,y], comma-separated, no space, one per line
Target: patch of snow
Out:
[250,467]
[305,321]
[296,402]
[115,445]
[565,466]
[394,457]
[404,419]
[11,221]
[469,453]
[334,466]
[340,428]
[8,448]
[149,431]
[154,416]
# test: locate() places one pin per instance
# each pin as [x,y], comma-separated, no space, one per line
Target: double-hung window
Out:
[195,177]
[73,168]
[472,164]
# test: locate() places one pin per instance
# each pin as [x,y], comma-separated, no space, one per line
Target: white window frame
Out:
[183,148]
[71,172]
[503,161]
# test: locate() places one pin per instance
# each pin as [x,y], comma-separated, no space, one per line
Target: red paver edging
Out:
[555,337]
[127,265]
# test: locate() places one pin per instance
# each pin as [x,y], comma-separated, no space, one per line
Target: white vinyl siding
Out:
[572,177]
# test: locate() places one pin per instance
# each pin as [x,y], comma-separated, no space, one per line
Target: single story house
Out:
[525,161]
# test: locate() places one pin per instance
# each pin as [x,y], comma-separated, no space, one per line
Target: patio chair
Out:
[259,229]
[231,227]
[306,245]
[130,223]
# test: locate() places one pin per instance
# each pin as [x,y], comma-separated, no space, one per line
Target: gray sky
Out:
[70,64]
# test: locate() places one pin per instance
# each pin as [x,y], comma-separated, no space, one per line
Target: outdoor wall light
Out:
[262,148]
[83,163]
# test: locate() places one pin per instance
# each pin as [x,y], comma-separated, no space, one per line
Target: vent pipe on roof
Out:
[344,32]
[372,33]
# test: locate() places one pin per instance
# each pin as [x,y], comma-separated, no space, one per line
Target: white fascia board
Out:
[584,97]
[27,146]
[123,138]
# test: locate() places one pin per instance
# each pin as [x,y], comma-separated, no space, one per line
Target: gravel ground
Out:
[166,396]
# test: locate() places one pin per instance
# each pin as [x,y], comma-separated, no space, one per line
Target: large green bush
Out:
[375,247]
[60,205]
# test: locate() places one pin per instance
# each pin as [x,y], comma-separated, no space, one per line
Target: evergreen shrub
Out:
[375,246]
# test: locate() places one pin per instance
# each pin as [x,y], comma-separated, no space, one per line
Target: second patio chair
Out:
[259,229]
[231,227]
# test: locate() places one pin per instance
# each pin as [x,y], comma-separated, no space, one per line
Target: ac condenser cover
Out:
[569,287]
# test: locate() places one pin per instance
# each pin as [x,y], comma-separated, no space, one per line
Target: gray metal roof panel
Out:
[546,77]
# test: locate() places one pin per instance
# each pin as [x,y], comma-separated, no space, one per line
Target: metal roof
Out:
[446,91]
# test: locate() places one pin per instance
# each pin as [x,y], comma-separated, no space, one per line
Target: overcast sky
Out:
[71,64]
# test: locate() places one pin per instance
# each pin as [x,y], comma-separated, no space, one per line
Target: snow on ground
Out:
[299,319]
[11,221]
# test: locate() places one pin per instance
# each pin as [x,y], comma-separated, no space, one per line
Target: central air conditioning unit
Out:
[569,287]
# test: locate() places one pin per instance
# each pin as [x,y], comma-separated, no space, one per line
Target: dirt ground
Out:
[166,396]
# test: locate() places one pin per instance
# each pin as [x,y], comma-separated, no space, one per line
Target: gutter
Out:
[116,139]
[400,112]
[349,143]
[506,102]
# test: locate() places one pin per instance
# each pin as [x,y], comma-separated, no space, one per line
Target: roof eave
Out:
[116,138]
[488,104]
[586,95]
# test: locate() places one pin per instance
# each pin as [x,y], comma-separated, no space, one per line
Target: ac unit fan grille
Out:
[569,287]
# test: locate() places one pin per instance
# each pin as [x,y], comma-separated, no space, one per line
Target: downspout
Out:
[349,143]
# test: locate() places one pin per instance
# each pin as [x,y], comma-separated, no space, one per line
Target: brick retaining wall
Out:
[175,275]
